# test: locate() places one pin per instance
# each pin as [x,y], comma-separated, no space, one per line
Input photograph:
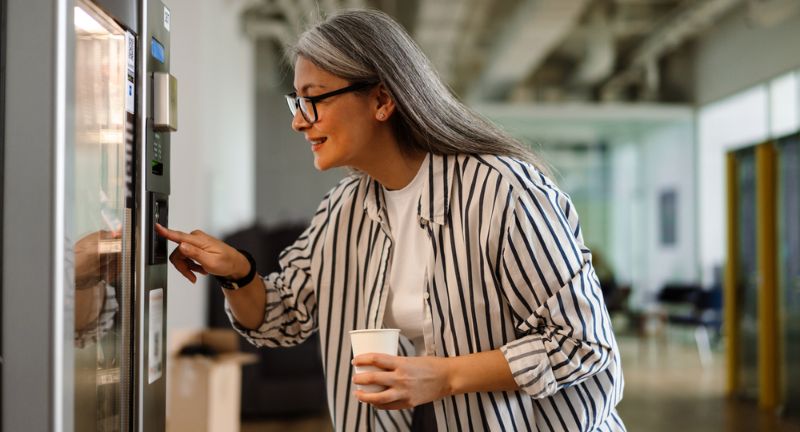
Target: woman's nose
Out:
[299,123]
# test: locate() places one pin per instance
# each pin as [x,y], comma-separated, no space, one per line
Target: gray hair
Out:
[369,46]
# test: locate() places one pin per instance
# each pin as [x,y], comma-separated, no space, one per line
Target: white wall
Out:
[668,163]
[736,53]
[288,187]
[213,150]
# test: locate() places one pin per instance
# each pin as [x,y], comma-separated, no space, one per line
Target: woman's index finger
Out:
[175,235]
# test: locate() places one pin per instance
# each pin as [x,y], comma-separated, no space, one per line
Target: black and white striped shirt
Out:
[508,270]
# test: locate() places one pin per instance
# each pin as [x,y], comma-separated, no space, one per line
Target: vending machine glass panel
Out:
[101,231]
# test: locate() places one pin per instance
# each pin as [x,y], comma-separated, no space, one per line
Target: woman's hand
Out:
[198,252]
[409,381]
[93,262]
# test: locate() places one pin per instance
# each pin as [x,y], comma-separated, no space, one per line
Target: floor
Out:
[667,389]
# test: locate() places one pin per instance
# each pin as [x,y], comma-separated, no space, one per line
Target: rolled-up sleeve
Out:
[291,300]
[564,333]
[104,322]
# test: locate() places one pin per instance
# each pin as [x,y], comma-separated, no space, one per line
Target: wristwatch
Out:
[234,284]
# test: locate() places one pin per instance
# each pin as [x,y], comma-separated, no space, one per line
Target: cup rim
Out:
[374,331]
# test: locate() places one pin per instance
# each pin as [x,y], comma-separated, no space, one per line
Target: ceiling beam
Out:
[601,52]
[686,22]
[534,30]
[439,28]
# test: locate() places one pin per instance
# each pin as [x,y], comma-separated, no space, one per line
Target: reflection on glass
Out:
[747,279]
[789,270]
[100,231]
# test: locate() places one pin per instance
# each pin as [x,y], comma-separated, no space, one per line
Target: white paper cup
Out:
[383,341]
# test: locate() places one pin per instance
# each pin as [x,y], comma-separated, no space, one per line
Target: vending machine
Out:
[125,102]
[84,334]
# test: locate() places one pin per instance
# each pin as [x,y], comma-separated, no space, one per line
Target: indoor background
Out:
[672,124]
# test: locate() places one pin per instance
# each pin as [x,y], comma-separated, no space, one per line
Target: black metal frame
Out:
[2,164]
[125,12]
[294,100]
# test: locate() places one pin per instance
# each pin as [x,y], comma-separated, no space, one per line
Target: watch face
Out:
[227,283]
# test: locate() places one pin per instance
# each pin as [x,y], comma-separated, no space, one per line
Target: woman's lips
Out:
[317,144]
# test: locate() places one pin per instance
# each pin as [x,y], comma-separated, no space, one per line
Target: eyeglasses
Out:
[308,104]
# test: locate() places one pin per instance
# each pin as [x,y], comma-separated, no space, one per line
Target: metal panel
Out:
[152,190]
[124,11]
[2,152]
[39,74]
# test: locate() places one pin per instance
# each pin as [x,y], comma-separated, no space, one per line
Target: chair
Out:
[286,381]
[690,305]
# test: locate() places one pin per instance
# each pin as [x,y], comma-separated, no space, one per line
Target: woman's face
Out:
[346,123]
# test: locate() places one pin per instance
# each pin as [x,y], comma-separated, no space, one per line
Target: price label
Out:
[130,43]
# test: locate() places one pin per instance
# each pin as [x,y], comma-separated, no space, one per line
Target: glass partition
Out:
[789,268]
[747,278]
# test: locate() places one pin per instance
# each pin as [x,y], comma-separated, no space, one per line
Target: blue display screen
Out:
[157,50]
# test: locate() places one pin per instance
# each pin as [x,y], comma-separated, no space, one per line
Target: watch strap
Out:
[234,284]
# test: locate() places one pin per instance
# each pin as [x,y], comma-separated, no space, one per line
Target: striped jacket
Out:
[508,270]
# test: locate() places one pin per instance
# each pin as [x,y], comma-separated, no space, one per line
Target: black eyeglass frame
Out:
[294,100]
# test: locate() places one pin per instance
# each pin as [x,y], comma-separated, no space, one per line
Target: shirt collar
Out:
[434,203]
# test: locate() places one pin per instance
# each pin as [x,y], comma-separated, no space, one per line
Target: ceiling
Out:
[492,51]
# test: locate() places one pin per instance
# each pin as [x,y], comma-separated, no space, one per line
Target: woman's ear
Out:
[384,107]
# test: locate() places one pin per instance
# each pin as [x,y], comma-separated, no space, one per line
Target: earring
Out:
[380,115]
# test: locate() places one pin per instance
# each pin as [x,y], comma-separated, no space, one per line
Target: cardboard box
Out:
[203,393]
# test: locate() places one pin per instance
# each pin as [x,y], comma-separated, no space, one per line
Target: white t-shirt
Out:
[411,251]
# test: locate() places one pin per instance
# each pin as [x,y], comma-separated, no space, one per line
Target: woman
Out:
[446,230]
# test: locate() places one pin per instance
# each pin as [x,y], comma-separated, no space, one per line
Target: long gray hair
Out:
[369,46]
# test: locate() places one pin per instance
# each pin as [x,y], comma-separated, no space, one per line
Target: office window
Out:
[784,99]
[737,121]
